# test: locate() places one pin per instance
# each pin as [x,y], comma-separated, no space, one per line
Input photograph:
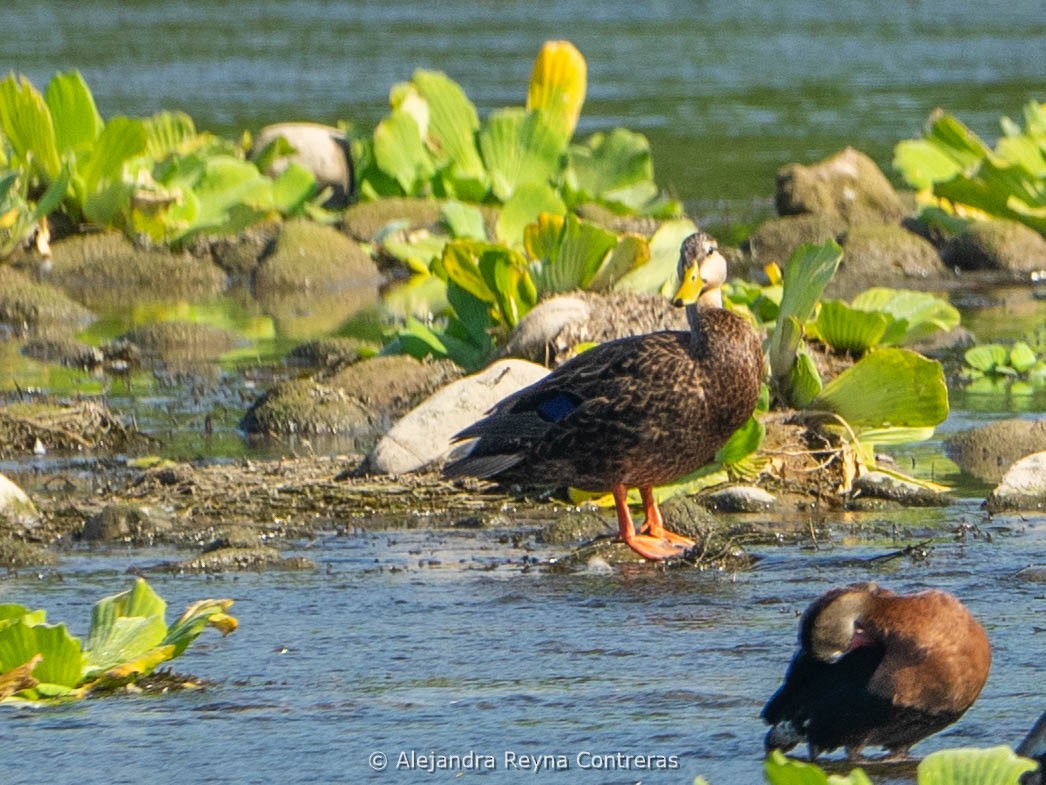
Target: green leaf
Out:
[519,149]
[10,613]
[523,208]
[615,168]
[61,665]
[967,766]
[804,280]
[196,618]
[632,252]
[565,251]
[26,123]
[923,163]
[291,189]
[987,358]
[742,443]
[661,272]
[1022,358]
[465,221]
[167,133]
[916,314]
[782,770]
[804,380]
[849,329]
[453,123]
[124,627]
[76,120]
[888,387]
[400,152]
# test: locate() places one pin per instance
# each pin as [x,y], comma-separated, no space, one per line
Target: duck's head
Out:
[702,271]
[839,622]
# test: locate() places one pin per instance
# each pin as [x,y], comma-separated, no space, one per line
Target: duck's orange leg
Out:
[646,545]
[655,522]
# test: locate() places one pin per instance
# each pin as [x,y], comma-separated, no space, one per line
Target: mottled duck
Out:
[637,412]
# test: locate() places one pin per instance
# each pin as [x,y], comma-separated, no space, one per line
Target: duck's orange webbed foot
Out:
[655,522]
[653,542]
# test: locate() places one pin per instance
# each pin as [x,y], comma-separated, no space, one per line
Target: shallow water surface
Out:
[477,652]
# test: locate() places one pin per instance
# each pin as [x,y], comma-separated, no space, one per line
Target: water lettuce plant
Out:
[127,640]
[959,174]
[154,176]
[960,766]
[996,360]
[433,143]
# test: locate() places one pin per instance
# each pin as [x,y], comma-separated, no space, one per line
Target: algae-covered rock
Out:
[1022,487]
[988,451]
[259,557]
[776,239]
[307,406]
[330,353]
[391,385]
[998,244]
[108,271]
[848,185]
[314,279]
[884,255]
[31,308]
[364,220]
[16,553]
[64,351]
[240,256]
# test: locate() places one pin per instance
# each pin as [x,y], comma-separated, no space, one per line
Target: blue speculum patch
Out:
[558,407]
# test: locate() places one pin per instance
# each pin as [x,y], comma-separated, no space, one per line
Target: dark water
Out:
[373,653]
[726,91]
[478,654]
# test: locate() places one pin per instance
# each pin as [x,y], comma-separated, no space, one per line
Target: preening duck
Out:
[637,412]
[878,668]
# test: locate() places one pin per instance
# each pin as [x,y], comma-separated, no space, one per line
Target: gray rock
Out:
[322,149]
[16,508]
[848,185]
[741,498]
[880,485]
[998,244]
[127,523]
[987,452]
[1023,487]
[423,435]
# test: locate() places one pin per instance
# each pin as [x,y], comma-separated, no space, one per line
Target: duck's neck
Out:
[710,300]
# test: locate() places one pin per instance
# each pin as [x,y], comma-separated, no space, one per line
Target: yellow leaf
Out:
[557,86]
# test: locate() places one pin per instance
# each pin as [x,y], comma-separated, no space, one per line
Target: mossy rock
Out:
[777,239]
[330,353]
[232,559]
[64,351]
[998,244]
[240,256]
[314,279]
[16,553]
[848,186]
[987,452]
[392,385]
[28,307]
[181,341]
[122,522]
[108,271]
[308,407]
[884,255]
[364,220]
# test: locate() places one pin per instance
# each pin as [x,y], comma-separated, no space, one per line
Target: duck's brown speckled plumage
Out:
[643,410]
[651,408]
